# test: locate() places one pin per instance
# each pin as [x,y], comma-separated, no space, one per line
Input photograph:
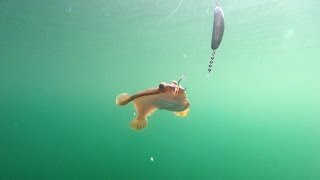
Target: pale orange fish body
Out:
[171,97]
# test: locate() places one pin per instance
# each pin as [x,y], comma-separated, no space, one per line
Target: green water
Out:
[62,64]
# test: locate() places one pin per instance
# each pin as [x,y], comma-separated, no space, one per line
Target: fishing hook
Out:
[181,78]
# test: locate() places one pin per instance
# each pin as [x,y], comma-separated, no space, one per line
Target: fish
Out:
[167,96]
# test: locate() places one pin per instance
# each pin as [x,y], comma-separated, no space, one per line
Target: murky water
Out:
[64,62]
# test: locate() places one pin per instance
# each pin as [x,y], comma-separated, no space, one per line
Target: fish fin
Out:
[138,124]
[144,107]
[151,111]
[183,113]
[122,99]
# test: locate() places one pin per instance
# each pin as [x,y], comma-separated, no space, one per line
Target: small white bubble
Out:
[134,113]
[289,34]
[69,9]
[151,158]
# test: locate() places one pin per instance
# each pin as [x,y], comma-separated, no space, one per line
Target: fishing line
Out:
[174,11]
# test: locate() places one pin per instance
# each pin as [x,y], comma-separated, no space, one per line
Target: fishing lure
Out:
[217,32]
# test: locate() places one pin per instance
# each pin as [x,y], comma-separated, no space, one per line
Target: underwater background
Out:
[63,63]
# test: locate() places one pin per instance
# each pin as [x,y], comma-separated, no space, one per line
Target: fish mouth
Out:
[187,104]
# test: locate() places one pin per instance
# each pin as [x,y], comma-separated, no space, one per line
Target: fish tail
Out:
[122,99]
[138,124]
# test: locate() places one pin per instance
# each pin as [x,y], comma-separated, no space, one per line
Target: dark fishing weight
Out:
[217,31]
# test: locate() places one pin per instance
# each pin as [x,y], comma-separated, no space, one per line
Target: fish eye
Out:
[162,85]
